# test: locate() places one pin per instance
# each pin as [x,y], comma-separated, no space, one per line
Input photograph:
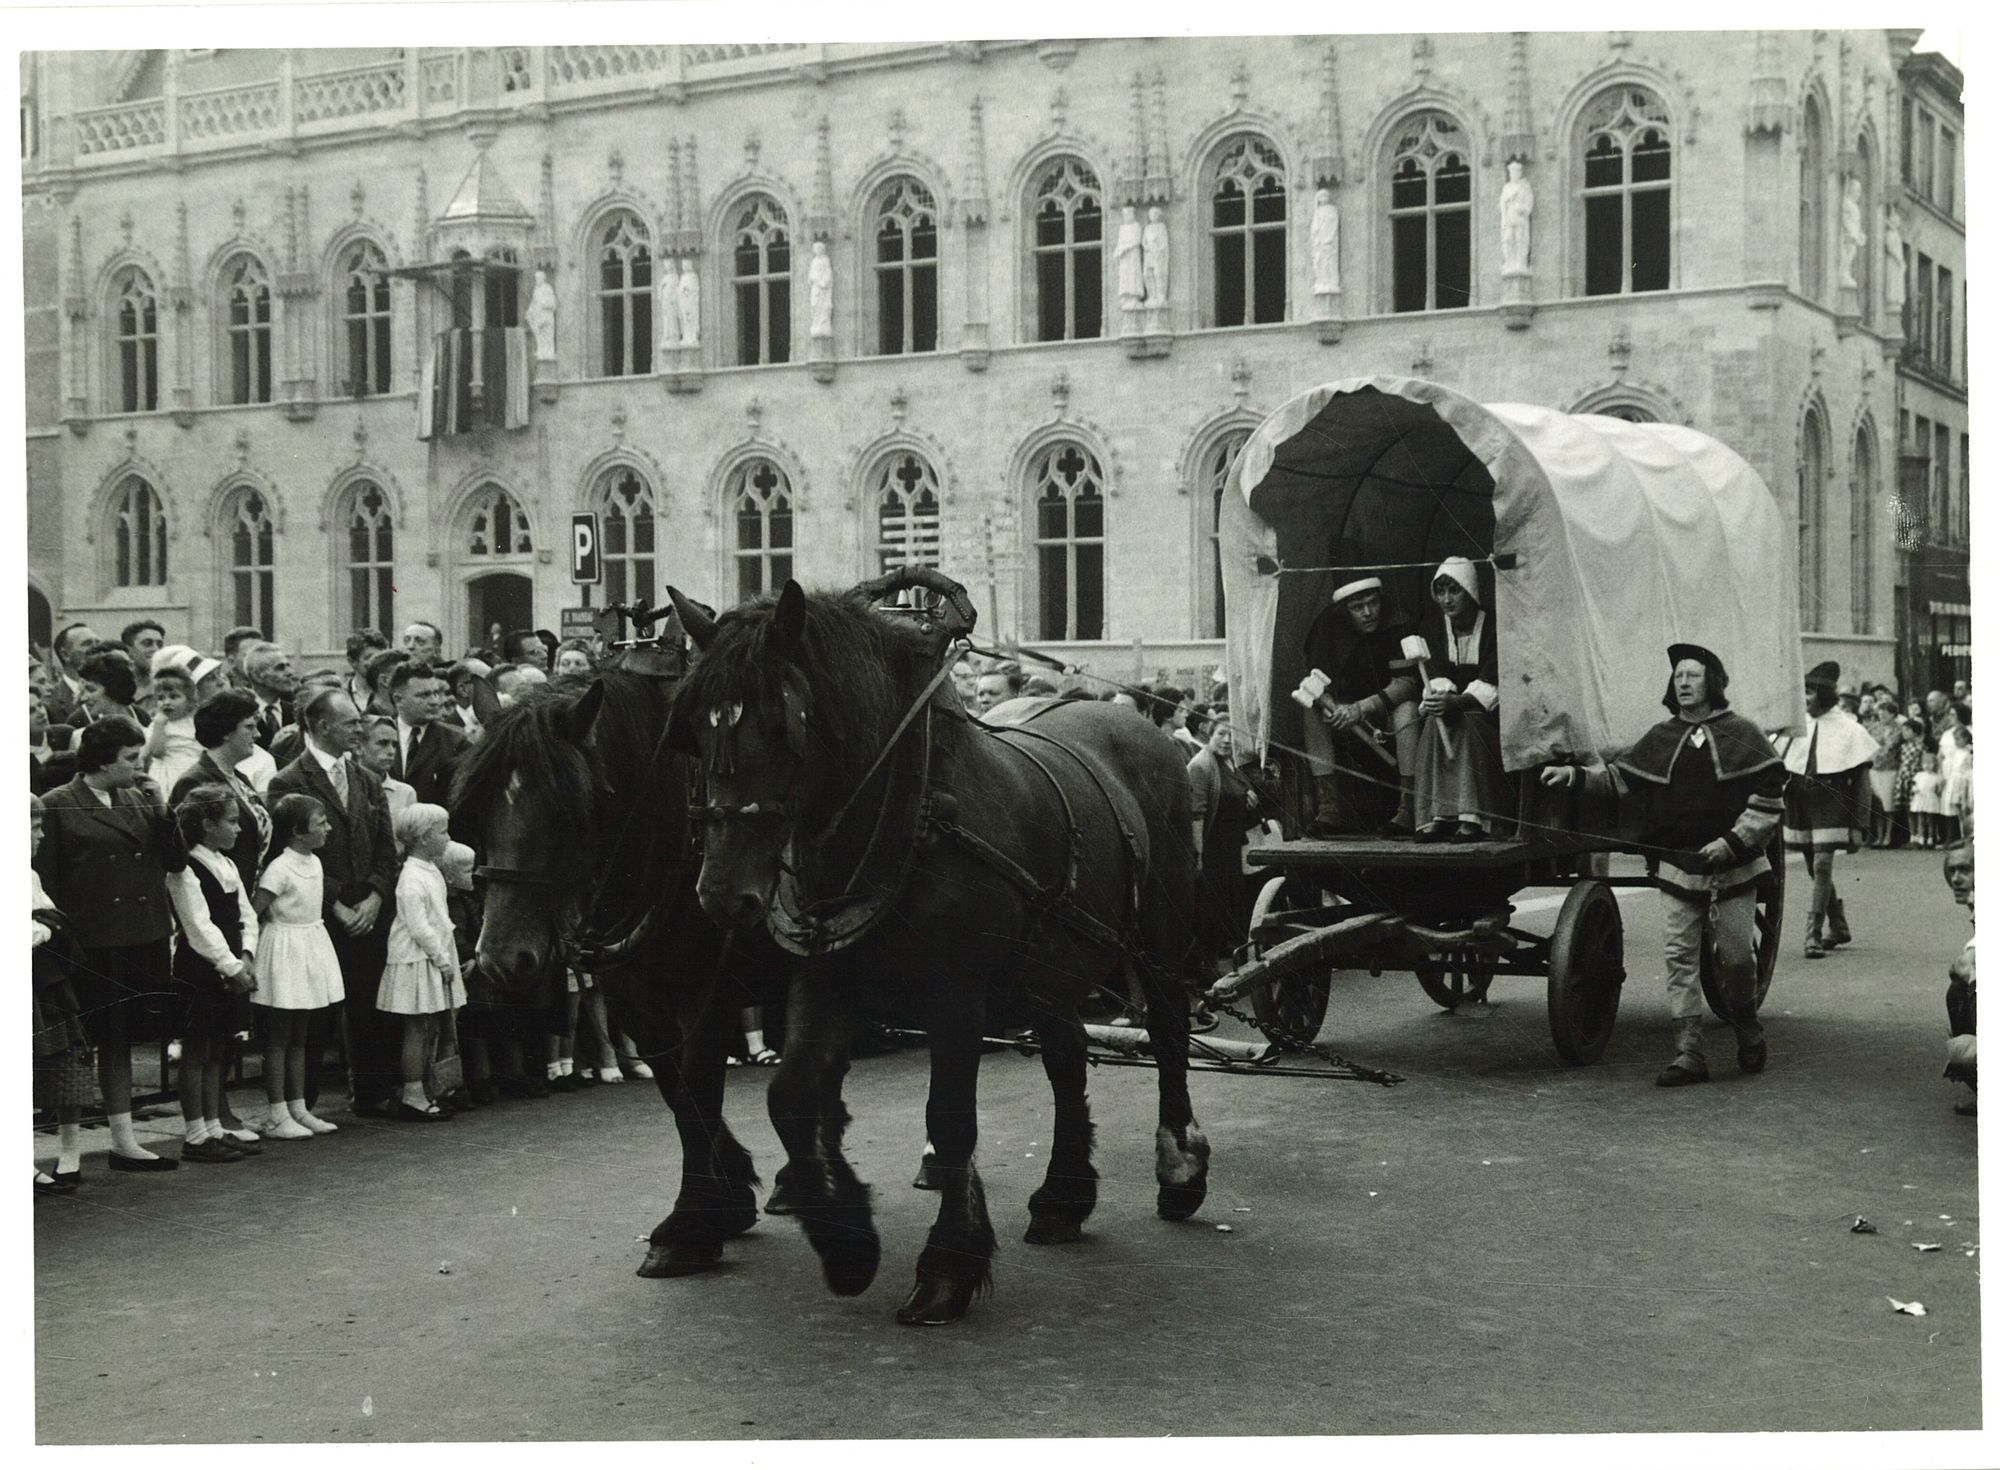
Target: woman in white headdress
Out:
[1461,791]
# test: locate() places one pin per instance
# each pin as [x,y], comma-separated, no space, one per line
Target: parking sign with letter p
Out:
[585,566]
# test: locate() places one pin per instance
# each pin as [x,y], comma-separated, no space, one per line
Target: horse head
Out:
[576,818]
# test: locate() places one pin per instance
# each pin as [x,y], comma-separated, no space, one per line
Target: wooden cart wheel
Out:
[1764,938]
[1293,1008]
[1586,972]
[1453,982]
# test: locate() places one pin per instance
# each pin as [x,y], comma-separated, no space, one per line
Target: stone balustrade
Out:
[426,85]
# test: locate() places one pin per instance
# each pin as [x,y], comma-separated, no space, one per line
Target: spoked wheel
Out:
[1291,1009]
[1768,930]
[1586,972]
[1453,981]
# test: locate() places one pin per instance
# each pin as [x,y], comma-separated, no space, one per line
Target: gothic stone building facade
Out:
[588,276]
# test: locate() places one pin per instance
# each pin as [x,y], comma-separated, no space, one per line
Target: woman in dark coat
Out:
[65,1076]
[225,727]
[104,859]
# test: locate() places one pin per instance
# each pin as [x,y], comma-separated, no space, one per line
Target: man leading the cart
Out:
[1709,791]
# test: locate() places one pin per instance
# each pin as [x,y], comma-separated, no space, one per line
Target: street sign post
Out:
[586,567]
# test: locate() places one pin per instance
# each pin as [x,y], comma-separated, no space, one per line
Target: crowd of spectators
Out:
[235,859]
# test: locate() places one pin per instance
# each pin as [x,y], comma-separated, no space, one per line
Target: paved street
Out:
[1500,1244]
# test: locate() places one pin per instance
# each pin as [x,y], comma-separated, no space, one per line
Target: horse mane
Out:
[563,785]
[858,668]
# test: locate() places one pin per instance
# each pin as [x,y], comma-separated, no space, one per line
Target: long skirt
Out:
[1469,786]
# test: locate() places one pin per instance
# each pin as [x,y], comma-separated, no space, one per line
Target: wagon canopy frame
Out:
[1599,542]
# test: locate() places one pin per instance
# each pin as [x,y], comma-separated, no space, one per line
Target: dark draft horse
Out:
[854,806]
[580,821]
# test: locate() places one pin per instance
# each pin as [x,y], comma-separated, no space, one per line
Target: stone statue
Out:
[542,318]
[1325,245]
[1517,213]
[689,301]
[1853,236]
[1131,269]
[1155,257]
[819,285]
[1892,260]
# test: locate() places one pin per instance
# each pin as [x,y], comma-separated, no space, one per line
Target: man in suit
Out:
[51,762]
[73,644]
[268,670]
[427,750]
[359,860]
[424,642]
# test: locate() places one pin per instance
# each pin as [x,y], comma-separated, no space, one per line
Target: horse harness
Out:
[813,927]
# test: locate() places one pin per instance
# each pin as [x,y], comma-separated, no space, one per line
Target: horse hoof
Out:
[679,1260]
[937,1302]
[740,1222]
[1053,1230]
[850,1268]
[1180,1201]
[927,1175]
[784,1199]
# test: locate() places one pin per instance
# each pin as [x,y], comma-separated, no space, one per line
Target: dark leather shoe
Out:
[209,1151]
[122,1165]
[1438,832]
[69,1181]
[402,1112]
[1396,830]
[1751,1055]
[1679,1074]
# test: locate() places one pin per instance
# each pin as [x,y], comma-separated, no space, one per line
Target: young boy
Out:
[171,749]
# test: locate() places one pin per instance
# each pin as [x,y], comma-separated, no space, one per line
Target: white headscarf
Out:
[1461,571]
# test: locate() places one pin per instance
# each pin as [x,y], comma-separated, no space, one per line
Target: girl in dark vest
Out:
[214,966]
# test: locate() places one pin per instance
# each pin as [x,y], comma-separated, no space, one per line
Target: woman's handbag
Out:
[445,1071]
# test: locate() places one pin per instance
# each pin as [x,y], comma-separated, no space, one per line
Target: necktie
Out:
[338,773]
[267,722]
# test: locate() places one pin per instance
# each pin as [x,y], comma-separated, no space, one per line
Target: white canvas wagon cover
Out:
[1599,542]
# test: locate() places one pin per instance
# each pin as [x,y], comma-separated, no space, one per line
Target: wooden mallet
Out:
[1417,649]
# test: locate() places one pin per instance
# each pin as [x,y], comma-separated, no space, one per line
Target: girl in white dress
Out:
[297,970]
[1954,782]
[420,980]
[1924,805]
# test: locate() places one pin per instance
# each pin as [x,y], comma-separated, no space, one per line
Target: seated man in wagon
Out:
[1461,792]
[1361,735]
[1710,794]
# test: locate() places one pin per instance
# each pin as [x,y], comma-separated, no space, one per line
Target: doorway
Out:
[41,619]
[505,598]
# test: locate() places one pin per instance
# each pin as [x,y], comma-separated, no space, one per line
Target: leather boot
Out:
[1814,949]
[1689,1065]
[1751,1050]
[1837,932]
[1326,820]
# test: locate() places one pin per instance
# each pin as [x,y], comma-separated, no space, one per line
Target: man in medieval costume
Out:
[1826,804]
[1361,738]
[1708,791]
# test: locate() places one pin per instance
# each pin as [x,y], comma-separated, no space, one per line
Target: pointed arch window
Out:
[136,340]
[906,513]
[1864,258]
[370,559]
[1068,253]
[138,535]
[1430,215]
[1247,233]
[1861,492]
[624,297]
[1812,521]
[246,294]
[630,536]
[1066,487]
[1215,464]
[253,575]
[497,526]
[762,283]
[365,317]
[1627,190]
[906,266]
[1812,201]
[760,498]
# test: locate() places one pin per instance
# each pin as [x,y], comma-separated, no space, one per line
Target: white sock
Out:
[753,1042]
[124,1140]
[280,1114]
[298,1109]
[555,1070]
[196,1130]
[214,1128]
[415,1096]
[69,1147]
